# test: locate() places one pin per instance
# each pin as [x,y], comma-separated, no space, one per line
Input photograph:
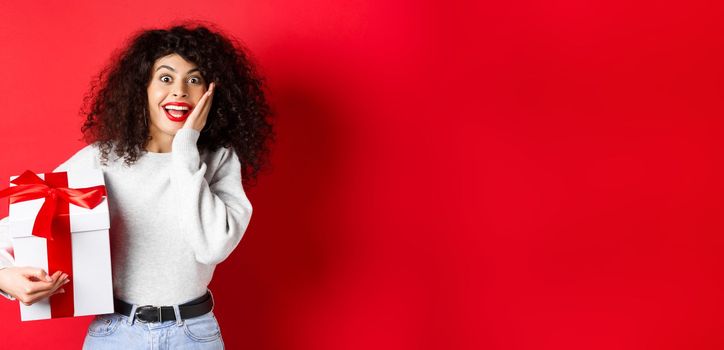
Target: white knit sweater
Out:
[174,216]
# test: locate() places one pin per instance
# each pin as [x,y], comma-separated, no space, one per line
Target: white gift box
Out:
[91,280]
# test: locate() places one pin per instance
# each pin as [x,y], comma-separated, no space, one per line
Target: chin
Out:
[171,125]
[167,128]
[173,131]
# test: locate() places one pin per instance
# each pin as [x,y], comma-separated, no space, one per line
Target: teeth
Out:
[178,108]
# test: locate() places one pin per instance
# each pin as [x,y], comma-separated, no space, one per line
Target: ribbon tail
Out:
[87,198]
[44,220]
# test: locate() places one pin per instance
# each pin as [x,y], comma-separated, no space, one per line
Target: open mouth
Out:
[177,113]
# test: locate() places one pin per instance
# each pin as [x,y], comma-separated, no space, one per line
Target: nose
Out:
[179,91]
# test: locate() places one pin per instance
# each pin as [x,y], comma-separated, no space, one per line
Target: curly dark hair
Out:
[116,106]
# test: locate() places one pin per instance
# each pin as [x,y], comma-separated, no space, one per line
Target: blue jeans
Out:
[116,331]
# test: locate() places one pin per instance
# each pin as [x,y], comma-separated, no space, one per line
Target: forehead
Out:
[175,62]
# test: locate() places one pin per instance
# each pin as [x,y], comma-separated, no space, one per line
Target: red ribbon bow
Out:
[31,186]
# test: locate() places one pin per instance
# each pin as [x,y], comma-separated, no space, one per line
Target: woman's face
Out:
[175,88]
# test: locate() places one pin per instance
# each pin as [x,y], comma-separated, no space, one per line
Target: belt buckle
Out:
[141,309]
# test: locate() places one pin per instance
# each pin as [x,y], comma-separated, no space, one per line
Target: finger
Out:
[29,299]
[59,291]
[41,287]
[197,109]
[33,273]
[207,104]
[33,287]
[204,115]
[210,92]
[37,274]
[56,275]
[61,281]
[44,275]
[206,98]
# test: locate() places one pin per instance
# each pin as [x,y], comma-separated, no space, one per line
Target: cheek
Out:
[154,103]
[155,95]
[196,97]
[198,92]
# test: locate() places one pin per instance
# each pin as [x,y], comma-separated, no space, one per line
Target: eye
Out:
[165,76]
[195,80]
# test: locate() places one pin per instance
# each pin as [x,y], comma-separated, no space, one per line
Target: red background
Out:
[533,175]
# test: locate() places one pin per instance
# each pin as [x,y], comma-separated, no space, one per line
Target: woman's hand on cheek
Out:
[198,116]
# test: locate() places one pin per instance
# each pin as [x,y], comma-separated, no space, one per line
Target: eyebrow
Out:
[171,68]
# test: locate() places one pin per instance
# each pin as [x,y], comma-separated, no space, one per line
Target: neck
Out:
[160,142]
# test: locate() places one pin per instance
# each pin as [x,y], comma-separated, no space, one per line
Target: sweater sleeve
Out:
[83,157]
[6,251]
[213,216]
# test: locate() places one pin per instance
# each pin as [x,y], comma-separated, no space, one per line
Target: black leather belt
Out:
[150,313]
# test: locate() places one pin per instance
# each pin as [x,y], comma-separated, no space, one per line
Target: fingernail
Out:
[66,281]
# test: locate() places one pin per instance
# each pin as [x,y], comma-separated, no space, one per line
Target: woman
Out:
[175,122]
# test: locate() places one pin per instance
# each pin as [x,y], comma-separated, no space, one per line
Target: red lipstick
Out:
[185,108]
